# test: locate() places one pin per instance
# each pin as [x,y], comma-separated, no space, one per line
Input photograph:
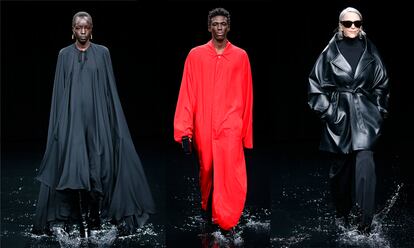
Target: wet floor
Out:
[303,214]
[287,205]
[187,228]
[19,192]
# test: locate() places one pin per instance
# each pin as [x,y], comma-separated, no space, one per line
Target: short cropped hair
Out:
[218,12]
[82,14]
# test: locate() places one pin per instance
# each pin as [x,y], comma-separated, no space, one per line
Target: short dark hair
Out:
[218,12]
[82,14]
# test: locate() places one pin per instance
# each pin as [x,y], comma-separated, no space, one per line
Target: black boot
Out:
[124,229]
[364,229]
[207,216]
[83,214]
[94,218]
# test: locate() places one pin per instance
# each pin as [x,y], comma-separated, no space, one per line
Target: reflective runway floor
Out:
[288,204]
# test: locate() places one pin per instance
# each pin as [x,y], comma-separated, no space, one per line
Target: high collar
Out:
[352,41]
[340,62]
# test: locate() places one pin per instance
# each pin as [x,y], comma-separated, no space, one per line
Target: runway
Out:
[287,204]
[303,214]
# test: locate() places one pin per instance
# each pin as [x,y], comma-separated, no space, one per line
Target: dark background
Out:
[149,41]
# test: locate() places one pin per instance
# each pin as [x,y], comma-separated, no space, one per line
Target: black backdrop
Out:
[149,41]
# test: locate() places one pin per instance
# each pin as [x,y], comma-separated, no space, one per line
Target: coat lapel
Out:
[340,62]
[364,61]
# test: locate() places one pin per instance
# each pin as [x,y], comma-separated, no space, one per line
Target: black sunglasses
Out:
[348,24]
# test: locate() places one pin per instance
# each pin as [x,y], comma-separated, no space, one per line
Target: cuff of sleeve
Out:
[247,144]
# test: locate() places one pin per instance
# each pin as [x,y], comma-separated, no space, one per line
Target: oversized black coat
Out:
[351,106]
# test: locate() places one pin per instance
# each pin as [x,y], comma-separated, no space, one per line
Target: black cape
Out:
[89,146]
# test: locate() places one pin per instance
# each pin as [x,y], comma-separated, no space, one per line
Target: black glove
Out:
[186,143]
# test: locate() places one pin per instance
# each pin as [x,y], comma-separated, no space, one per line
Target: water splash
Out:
[227,241]
[352,237]
[69,240]
[148,236]
[257,220]
[103,238]
[253,220]
[290,241]
[390,203]
[192,198]
[376,238]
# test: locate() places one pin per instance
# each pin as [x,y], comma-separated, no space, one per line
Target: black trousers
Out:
[352,181]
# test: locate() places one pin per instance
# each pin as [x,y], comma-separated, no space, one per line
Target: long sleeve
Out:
[318,99]
[381,89]
[248,109]
[184,113]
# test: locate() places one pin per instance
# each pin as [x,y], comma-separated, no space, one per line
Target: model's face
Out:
[219,28]
[82,29]
[351,24]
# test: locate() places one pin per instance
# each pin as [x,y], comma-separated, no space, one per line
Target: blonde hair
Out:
[341,16]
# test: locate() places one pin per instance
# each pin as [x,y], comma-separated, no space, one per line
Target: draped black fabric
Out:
[89,146]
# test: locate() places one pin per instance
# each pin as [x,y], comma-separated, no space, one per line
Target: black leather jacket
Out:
[352,107]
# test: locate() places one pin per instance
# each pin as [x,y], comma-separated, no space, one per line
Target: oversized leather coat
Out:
[351,106]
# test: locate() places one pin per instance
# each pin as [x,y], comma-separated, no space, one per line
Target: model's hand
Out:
[186,144]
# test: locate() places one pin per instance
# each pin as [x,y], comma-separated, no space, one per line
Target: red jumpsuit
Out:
[214,108]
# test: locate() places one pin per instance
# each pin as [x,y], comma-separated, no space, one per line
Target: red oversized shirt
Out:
[214,107]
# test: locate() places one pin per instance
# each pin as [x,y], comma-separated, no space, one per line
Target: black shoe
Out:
[69,227]
[93,228]
[94,224]
[364,229]
[83,231]
[124,230]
